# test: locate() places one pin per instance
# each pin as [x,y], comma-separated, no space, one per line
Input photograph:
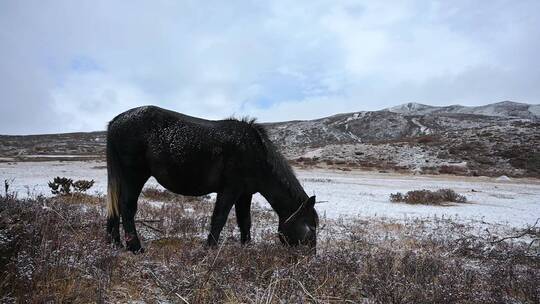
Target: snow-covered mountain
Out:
[499,138]
[502,109]
[403,121]
[413,108]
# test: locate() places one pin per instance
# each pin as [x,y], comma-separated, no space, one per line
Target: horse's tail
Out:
[113,179]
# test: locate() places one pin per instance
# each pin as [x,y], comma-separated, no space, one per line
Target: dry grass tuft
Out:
[158,194]
[428,197]
[78,198]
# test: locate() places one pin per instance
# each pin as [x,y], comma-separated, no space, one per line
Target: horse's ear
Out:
[311,202]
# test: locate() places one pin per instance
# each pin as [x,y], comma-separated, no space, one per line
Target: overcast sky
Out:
[73,65]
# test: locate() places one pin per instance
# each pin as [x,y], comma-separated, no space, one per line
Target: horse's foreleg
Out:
[243,217]
[224,203]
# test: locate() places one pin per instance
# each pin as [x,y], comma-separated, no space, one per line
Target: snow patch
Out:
[535,110]
[503,178]
[60,155]
[355,194]
[423,129]
[155,204]
[314,153]
[411,107]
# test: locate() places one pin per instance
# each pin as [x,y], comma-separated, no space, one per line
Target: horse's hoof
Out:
[211,245]
[135,249]
[140,251]
[211,242]
[245,241]
[114,241]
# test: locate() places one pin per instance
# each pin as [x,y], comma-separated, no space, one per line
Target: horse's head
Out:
[300,228]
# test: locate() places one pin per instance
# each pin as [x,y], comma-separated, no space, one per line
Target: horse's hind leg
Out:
[113,230]
[128,208]
[243,217]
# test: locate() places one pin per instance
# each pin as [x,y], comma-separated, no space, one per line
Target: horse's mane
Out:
[278,164]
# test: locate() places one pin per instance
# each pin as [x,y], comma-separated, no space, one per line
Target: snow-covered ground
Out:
[513,203]
[358,193]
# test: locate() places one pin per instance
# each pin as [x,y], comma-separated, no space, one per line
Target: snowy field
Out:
[510,203]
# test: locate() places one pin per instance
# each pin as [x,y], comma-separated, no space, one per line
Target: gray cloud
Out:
[71,66]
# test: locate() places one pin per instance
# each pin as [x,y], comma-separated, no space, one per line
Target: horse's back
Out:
[141,118]
[154,132]
[181,151]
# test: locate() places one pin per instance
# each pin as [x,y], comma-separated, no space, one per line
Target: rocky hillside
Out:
[407,120]
[495,139]
[502,109]
[53,146]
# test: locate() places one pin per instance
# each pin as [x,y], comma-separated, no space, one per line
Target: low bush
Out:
[450,169]
[82,185]
[426,139]
[63,185]
[428,197]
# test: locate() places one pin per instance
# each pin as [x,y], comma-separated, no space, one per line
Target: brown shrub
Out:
[63,185]
[427,139]
[449,169]
[428,197]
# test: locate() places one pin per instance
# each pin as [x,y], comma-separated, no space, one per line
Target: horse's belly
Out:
[188,180]
[188,188]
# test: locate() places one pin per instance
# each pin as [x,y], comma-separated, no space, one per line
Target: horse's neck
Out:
[281,198]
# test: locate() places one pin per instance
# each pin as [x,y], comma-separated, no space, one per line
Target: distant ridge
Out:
[495,139]
[412,108]
[500,109]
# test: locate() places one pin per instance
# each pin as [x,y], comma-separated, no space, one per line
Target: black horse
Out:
[193,156]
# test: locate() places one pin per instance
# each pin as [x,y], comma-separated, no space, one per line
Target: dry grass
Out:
[79,199]
[428,197]
[155,193]
[54,251]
